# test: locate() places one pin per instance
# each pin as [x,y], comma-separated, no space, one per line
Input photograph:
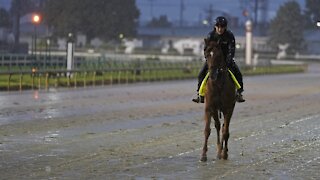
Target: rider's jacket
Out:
[227,42]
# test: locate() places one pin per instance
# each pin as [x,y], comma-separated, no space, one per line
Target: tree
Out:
[287,27]
[4,18]
[98,18]
[312,12]
[18,9]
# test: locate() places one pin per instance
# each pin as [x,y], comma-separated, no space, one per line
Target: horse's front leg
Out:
[207,131]
[225,134]
[217,125]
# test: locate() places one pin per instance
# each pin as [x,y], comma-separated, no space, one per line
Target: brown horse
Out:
[220,97]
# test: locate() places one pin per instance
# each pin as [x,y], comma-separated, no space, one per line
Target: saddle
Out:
[202,90]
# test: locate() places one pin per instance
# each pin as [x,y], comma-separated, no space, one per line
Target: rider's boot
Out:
[198,99]
[240,98]
[238,75]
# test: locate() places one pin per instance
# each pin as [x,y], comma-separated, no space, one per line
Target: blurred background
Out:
[166,26]
[36,33]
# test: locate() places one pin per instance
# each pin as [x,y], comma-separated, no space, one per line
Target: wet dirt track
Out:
[154,131]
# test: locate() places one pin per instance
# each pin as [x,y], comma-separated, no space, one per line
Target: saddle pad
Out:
[202,90]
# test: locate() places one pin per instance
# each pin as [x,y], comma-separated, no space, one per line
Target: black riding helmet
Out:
[221,21]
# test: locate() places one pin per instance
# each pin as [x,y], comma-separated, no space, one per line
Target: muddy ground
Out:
[154,131]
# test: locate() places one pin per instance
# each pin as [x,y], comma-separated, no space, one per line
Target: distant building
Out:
[184,40]
[190,39]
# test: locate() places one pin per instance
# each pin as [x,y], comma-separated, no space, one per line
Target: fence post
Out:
[127,77]
[47,81]
[157,75]
[20,84]
[75,79]
[57,81]
[85,79]
[134,75]
[119,76]
[9,79]
[39,82]
[141,75]
[68,78]
[111,78]
[102,78]
[94,79]
[32,85]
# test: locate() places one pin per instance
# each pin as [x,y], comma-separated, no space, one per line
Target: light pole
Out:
[248,57]
[70,51]
[47,55]
[36,19]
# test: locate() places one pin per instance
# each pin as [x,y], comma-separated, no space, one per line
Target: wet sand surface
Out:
[154,131]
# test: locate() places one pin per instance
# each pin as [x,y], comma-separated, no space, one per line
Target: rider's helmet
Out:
[221,21]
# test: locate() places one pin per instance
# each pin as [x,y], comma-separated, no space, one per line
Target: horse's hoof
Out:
[225,156]
[218,156]
[203,159]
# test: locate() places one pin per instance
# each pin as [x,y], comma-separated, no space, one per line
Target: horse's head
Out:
[214,56]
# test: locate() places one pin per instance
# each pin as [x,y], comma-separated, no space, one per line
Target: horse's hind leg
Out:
[207,132]
[218,126]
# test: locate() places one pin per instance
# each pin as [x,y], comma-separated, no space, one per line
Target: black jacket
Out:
[227,42]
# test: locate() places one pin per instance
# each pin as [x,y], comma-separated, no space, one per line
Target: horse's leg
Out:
[225,137]
[218,126]
[225,134]
[207,131]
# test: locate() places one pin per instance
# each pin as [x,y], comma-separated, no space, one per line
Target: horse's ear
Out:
[205,40]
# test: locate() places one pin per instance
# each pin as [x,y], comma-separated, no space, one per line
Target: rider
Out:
[225,37]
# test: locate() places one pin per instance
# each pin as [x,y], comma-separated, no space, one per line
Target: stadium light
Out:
[318,23]
[36,19]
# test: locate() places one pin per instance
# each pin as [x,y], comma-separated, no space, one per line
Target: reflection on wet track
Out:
[154,131]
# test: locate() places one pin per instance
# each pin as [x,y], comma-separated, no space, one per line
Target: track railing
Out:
[44,79]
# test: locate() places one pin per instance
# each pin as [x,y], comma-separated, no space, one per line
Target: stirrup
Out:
[198,99]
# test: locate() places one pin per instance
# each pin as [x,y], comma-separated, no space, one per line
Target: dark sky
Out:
[5,3]
[195,9]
